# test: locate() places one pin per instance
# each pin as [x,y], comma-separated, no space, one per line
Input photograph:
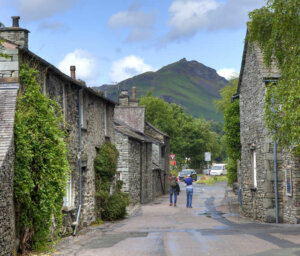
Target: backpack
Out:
[173,182]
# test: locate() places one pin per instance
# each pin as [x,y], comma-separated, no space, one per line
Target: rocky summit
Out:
[189,84]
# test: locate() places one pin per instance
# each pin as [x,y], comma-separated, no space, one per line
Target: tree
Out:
[231,113]
[190,137]
[276,30]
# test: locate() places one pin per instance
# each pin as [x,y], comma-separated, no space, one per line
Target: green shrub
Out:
[113,206]
[231,171]
[109,207]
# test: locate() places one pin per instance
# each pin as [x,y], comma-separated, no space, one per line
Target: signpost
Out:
[207,158]
[172,162]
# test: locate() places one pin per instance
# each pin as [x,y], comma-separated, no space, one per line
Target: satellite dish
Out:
[2,25]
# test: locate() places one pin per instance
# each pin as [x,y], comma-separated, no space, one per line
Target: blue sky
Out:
[110,41]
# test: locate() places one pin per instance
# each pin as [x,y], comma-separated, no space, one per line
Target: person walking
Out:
[174,189]
[189,191]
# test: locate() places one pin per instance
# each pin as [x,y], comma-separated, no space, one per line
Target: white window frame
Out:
[68,197]
[254,169]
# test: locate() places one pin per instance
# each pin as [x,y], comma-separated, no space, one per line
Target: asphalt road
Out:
[211,227]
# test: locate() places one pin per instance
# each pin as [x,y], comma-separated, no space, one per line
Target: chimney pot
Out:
[73,69]
[134,93]
[15,21]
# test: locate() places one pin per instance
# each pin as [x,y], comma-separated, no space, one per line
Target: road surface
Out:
[211,227]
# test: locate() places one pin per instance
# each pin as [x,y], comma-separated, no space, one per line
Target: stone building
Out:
[143,163]
[256,173]
[89,118]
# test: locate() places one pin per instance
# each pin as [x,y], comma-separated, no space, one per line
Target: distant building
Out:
[256,175]
[144,152]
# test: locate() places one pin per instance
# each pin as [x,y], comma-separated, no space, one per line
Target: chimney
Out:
[15,21]
[72,71]
[15,34]
[124,98]
[134,93]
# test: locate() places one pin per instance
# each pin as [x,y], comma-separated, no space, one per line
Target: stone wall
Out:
[9,67]
[97,128]
[131,116]
[134,172]
[259,202]
[291,203]
[147,181]
[16,35]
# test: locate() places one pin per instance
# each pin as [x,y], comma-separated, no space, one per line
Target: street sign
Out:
[172,156]
[207,156]
[173,163]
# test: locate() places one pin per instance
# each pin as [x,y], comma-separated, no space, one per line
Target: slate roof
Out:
[8,97]
[154,128]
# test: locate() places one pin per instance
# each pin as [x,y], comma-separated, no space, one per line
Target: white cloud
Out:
[39,9]
[86,66]
[228,73]
[139,23]
[128,67]
[187,17]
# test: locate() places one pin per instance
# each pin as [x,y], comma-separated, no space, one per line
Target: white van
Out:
[218,169]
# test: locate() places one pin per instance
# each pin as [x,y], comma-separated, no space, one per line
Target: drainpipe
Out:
[79,154]
[275,168]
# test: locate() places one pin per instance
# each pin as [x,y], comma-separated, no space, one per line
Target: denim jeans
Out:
[189,197]
[173,191]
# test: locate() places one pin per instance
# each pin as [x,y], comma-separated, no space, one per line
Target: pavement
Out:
[212,227]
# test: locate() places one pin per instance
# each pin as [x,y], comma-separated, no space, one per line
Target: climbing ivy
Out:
[41,164]
[109,206]
[231,111]
[276,29]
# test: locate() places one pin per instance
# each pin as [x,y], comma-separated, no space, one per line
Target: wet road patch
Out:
[109,240]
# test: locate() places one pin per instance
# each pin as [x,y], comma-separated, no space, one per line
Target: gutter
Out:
[76,223]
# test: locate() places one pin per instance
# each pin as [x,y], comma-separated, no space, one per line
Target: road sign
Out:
[173,163]
[207,156]
[172,156]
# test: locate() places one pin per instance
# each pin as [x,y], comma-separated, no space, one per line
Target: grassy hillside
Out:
[189,84]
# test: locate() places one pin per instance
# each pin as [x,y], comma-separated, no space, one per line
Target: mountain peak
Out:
[189,84]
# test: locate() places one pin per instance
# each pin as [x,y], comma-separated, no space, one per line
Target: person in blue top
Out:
[189,191]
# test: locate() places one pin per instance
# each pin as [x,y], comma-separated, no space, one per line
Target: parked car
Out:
[185,172]
[206,171]
[218,169]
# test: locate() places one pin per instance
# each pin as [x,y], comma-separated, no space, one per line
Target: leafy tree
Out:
[41,165]
[190,137]
[231,113]
[276,29]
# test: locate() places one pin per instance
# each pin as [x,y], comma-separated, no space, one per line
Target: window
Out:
[68,196]
[163,149]
[254,173]
[288,180]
